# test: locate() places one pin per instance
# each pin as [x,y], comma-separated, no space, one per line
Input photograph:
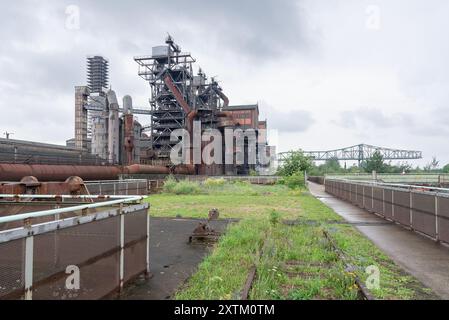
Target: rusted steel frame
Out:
[249,283]
[66,196]
[363,291]
[81,207]
[251,276]
[169,83]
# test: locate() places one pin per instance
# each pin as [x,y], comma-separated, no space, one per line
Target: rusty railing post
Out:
[437,233]
[148,241]
[122,248]
[29,256]
[411,208]
[392,204]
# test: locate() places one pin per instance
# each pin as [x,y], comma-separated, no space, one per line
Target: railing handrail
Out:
[115,181]
[399,185]
[387,174]
[44,213]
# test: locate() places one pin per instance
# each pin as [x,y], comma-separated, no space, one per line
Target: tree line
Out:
[297,162]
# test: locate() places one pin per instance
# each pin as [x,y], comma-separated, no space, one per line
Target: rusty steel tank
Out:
[31,185]
[45,172]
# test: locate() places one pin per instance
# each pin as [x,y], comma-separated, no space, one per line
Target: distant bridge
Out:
[359,153]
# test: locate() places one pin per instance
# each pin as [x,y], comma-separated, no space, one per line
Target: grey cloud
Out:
[257,29]
[373,117]
[287,121]
[365,120]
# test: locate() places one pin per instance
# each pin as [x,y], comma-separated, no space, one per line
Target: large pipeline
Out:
[46,172]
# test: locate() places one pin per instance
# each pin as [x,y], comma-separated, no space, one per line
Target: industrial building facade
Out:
[107,131]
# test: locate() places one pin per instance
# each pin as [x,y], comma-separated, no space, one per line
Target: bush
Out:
[253,173]
[211,182]
[274,217]
[294,181]
[169,184]
[181,187]
[186,187]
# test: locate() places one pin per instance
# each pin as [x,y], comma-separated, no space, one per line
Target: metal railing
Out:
[424,178]
[420,208]
[106,242]
[118,187]
[28,157]
[250,179]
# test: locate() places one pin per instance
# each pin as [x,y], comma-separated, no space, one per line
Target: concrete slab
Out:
[172,258]
[421,257]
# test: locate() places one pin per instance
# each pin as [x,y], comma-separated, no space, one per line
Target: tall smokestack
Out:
[129,129]
[113,127]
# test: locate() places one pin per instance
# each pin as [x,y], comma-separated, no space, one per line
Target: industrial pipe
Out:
[145,169]
[46,172]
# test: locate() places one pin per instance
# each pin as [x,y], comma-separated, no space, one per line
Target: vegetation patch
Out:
[293,261]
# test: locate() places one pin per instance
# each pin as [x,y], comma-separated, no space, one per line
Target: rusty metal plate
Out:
[135,259]
[92,247]
[388,206]
[359,200]
[12,279]
[347,188]
[368,202]
[352,193]
[401,207]
[423,213]
[98,278]
[378,200]
[443,219]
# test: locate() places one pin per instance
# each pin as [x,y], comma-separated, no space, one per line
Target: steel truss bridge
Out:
[359,153]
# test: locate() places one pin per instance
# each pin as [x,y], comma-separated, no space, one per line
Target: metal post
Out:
[363,196]
[383,202]
[29,253]
[148,242]
[122,247]
[437,237]
[392,204]
[411,210]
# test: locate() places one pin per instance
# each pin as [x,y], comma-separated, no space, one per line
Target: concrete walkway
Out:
[423,258]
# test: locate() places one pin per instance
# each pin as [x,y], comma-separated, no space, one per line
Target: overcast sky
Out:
[326,74]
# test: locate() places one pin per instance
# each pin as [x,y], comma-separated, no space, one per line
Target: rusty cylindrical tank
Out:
[44,172]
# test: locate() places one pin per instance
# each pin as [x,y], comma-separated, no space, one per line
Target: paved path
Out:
[423,258]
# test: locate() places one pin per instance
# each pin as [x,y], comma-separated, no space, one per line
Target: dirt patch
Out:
[172,259]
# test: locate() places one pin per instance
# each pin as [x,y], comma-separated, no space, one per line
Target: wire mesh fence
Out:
[88,255]
[422,209]
[118,187]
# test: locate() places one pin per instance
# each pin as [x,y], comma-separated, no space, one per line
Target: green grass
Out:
[234,200]
[293,261]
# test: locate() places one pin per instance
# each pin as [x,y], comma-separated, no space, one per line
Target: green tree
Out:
[332,165]
[295,162]
[432,165]
[375,163]
[446,168]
